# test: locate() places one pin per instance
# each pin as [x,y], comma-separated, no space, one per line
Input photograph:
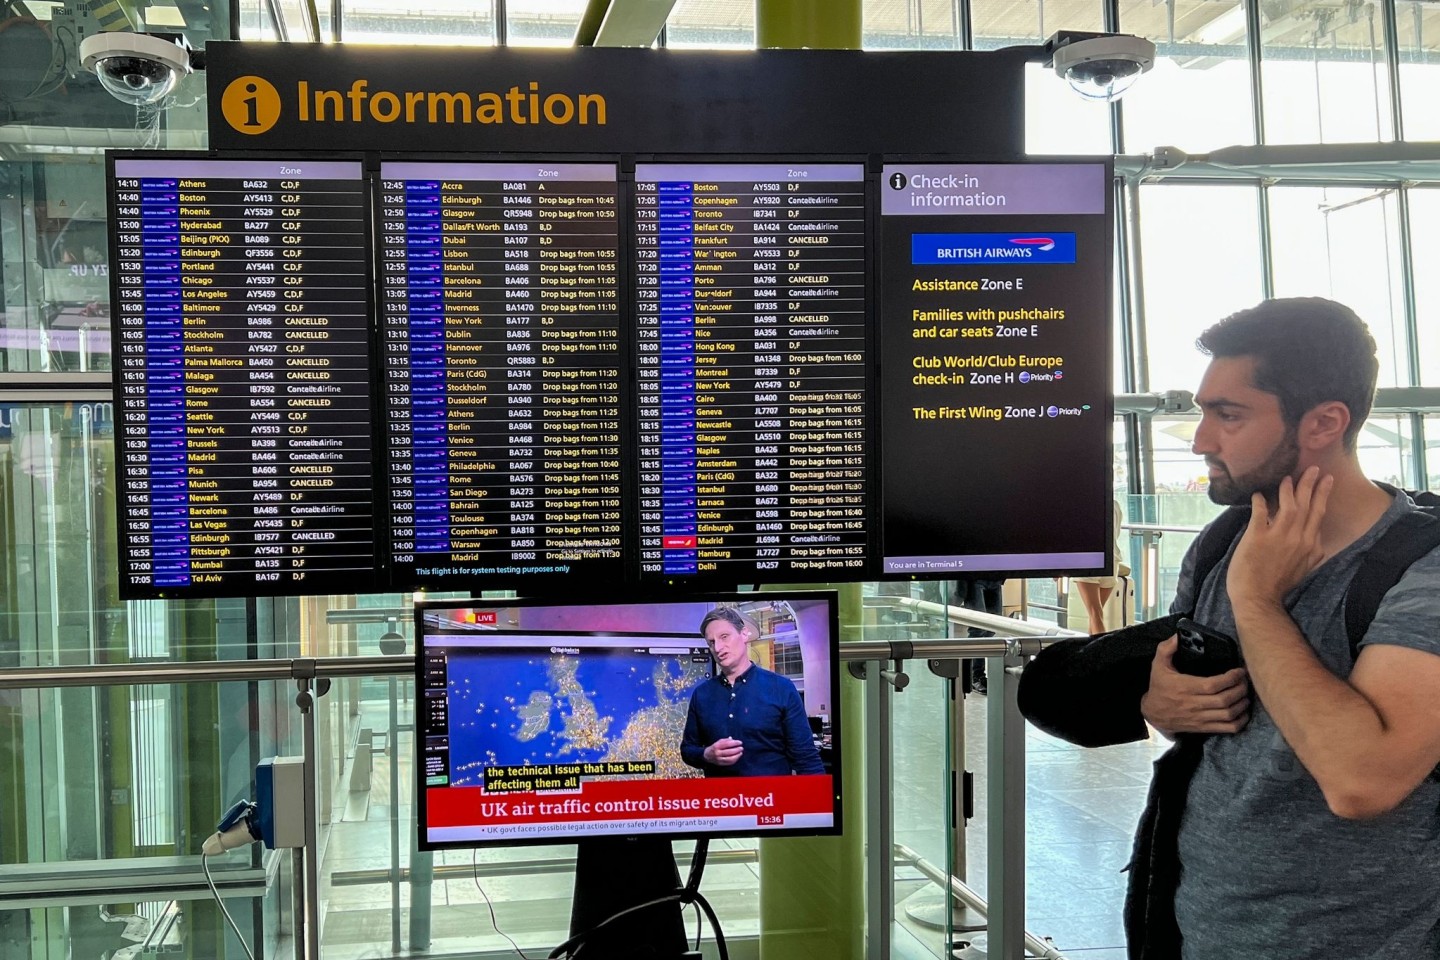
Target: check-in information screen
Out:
[996,370]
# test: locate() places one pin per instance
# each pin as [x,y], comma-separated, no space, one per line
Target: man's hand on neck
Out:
[1281,545]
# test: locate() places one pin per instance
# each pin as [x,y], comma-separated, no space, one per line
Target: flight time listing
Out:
[243,377]
[500,332]
[751,365]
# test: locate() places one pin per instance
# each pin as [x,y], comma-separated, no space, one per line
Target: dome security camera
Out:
[136,68]
[1103,67]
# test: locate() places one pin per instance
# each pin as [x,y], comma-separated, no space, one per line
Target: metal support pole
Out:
[879,816]
[394,871]
[968,898]
[310,874]
[1005,816]
[422,864]
[955,704]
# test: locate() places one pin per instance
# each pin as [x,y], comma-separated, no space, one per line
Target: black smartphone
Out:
[1204,652]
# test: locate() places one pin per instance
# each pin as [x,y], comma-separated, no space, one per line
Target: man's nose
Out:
[1203,443]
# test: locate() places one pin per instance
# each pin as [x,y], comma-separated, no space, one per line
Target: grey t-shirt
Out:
[1266,869]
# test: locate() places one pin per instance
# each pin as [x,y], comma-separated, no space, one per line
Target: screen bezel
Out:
[236,587]
[832,601]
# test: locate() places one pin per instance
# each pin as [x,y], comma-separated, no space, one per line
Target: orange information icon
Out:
[250,104]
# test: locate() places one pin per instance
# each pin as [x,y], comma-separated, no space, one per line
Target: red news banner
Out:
[713,803]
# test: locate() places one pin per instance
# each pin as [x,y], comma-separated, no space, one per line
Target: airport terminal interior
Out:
[1276,149]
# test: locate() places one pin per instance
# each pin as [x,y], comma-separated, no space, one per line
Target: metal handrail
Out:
[1158,528]
[204,671]
[519,868]
[1008,634]
[1004,627]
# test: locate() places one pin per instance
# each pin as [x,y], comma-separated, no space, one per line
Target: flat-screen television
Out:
[707,716]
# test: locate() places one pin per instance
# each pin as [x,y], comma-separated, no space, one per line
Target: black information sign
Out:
[995,389]
[500,324]
[599,100]
[243,377]
[752,359]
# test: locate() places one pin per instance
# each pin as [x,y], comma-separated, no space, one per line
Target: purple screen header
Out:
[593,172]
[1004,189]
[242,169]
[732,172]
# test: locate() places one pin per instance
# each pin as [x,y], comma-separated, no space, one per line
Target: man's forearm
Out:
[1333,729]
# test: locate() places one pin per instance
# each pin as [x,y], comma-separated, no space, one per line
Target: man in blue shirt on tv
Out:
[747,721]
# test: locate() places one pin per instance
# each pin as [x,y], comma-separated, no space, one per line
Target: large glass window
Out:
[1197,96]
[54,266]
[1417,26]
[711,24]
[543,23]
[1432,453]
[999,23]
[1201,262]
[450,22]
[912,25]
[1344,243]
[1386,447]
[1323,73]
[1057,121]
[1425,249]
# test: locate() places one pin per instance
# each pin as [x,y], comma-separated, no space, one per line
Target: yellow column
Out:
[812,24]
[812,889]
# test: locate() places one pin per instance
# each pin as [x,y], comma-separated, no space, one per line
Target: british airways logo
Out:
[979,248]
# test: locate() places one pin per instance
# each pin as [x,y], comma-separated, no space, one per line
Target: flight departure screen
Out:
[751,370]
[500,325]
[996,381]
[243,381]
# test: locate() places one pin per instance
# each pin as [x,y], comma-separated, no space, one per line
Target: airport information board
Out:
[243,377]
[413,373]
[752,369]
[501,353]
[996,391]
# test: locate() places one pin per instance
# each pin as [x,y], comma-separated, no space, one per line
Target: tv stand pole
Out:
[615,873]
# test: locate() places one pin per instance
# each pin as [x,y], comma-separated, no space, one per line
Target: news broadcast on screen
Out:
[705,716]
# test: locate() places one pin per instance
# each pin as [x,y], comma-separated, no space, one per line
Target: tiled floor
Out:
[1081,810]
[1081,807]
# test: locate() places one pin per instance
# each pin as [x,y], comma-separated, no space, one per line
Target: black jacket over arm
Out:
[1087,690]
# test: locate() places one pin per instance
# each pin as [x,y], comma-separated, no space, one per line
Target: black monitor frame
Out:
[829,597]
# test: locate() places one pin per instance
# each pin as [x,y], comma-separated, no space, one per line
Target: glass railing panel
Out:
[110,792]
[378,892]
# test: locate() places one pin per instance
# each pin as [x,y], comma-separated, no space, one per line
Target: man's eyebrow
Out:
[1219,402]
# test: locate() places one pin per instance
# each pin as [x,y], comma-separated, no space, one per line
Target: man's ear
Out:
[1323,425]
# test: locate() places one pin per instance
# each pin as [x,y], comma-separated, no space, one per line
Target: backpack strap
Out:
[1408,539]
[1214,541]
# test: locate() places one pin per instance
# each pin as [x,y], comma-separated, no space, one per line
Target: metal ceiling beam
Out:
[625,23]
[589,26]
[1378,163]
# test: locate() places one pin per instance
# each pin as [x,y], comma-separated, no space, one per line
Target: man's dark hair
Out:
[1307,351]
[729,614]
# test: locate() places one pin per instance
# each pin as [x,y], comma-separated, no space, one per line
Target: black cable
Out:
[205,865]
[697,866]
[699,925]
[475,873]
[685,896]
[573,946]
[715,925]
